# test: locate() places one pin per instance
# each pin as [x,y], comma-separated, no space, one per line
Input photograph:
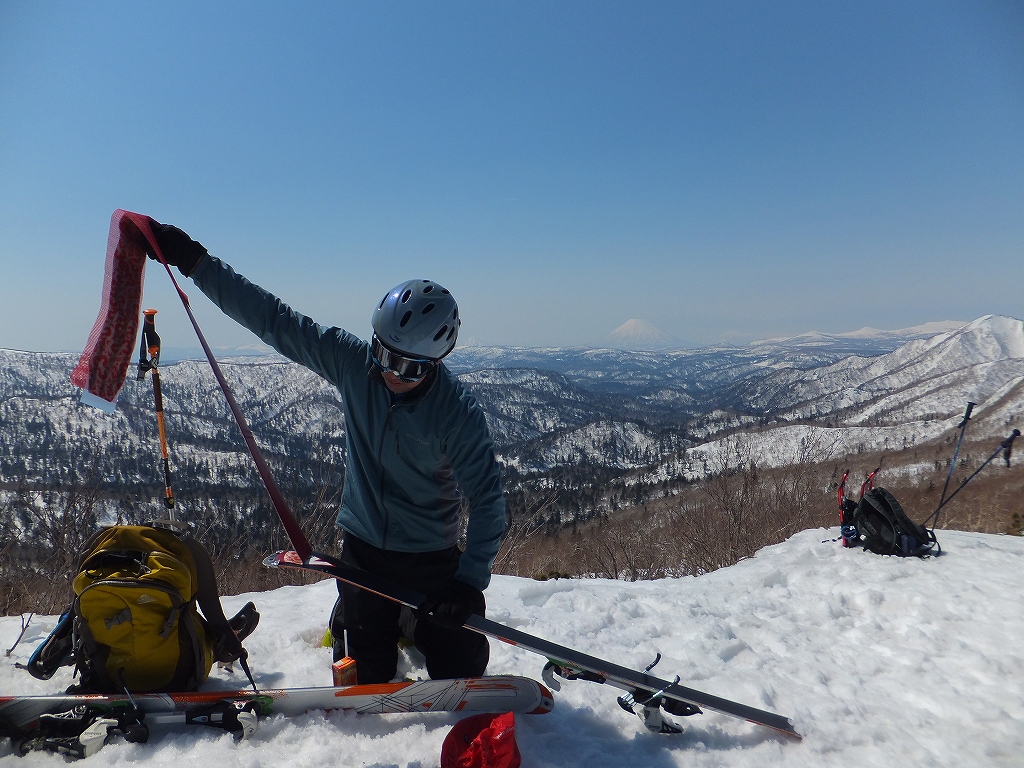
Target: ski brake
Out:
[238,718]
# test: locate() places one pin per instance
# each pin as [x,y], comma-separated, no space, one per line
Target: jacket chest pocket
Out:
[417,449]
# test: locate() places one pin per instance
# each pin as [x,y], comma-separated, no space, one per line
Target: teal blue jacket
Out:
[409,462]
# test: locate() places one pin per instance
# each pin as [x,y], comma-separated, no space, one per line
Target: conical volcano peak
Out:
[640,334]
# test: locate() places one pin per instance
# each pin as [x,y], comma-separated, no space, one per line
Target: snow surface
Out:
[879,661]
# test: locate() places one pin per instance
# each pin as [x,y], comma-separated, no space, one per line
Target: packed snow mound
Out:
[879,661]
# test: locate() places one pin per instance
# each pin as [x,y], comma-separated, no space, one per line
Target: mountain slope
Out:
[47,437]
[924,379]
[901,399]
[613,409]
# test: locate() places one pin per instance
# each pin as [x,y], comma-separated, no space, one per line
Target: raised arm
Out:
[326,351]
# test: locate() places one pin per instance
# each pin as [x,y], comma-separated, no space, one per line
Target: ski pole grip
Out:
[149,331]
[967,417]
[1007,445]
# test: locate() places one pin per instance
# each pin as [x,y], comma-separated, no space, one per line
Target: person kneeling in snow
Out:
[416,443]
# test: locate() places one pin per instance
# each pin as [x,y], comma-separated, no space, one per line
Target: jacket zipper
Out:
[380,460]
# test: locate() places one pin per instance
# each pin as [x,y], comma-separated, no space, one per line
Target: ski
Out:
[650,693]
[66,718]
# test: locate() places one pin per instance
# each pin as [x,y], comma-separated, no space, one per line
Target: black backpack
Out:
[881,526]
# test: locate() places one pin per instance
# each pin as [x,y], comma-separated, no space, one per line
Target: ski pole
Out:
[151,345]
[963,428]
[1005,447]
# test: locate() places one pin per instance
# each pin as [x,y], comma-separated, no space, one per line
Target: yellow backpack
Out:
[135,623]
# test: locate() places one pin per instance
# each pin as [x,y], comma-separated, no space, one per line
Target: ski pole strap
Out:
[164,454]
[149,344]
[1007,446]
[291,525]
[150,337]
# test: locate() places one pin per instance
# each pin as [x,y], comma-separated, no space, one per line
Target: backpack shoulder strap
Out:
[88,547]
[227,646]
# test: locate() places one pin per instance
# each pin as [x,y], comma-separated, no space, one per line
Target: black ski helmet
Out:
[418,318]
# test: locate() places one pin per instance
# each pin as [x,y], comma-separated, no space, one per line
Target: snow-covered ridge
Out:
[924,330]
[897,400]
[548,408]
[46,436]
[925,377]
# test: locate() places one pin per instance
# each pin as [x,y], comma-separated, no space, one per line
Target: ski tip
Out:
[786,730]
[282,558]
[271,561]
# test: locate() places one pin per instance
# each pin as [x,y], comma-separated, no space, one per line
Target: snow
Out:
[877,660]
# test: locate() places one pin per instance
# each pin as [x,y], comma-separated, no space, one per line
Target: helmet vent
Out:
[441,332]
[383,300]
[428,287]
[451,333]
[445,291]
[405,298]
[455,314]
[405,318]
[427,308]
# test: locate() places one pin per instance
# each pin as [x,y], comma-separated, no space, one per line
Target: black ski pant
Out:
[372,622]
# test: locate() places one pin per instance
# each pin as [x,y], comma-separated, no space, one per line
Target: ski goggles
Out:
[408,369]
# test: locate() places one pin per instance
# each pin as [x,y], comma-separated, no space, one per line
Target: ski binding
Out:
[652,704]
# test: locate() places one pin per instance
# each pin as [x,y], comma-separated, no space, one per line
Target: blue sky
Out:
[726,171]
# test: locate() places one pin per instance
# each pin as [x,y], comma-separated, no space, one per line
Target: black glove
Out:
[452,605]
[179,249]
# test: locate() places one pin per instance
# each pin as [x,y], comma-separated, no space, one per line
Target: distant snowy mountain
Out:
[815,397]
[690,374]
[903,398]
[640,334]
[619,410]
[922,379]
[867,334]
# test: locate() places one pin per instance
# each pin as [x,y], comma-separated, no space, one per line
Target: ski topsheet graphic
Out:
[643,690]
[79,725]
[496,693]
